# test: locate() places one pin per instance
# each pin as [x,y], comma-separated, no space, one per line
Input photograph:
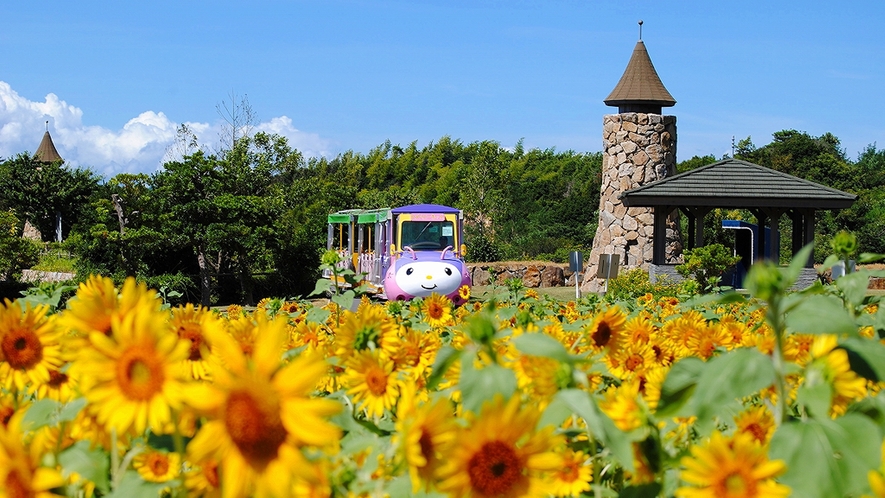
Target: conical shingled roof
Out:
[640,83]
[46,152]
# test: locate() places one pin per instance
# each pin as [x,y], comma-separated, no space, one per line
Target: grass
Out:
[55,260]
[558,293]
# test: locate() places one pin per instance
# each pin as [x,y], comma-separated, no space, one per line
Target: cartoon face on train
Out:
[409,278]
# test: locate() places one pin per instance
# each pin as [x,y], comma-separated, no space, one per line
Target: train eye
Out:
[449,271]
[409,271]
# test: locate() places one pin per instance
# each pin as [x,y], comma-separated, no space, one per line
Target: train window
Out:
[427,235]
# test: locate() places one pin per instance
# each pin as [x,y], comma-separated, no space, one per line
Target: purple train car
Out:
[405,252]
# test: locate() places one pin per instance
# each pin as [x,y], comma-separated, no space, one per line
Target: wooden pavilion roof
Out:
[732,183]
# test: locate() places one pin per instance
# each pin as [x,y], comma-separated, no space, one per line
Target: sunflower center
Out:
[210,471]
[367,334]
[16,487]
[255,427]
[140,373]
[494,469]
[158,464]
[602,335]
[57,379]
[6,413]
[376,380]
[633,361]
[570,473]
[426,444]
[736,484]
[757,431]
[435,310]
[22,349]
[196,339]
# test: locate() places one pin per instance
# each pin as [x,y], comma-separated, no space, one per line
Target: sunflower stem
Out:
[115,459]
[178,443]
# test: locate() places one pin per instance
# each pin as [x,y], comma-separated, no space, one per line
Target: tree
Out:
[44,193]
[16,253]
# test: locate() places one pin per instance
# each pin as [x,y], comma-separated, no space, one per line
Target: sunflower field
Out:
[768,394]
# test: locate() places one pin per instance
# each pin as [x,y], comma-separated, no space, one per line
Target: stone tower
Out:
[639,147]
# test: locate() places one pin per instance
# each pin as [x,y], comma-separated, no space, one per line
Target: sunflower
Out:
[29,345]
[437,310]
[190,324]
[157,466]
[606,332]
[735,467]
[633,360]
[416,352]
[132,378]
[369,327]
[370,378]
[845,385]
[61,386]
[202,479]
[20,471]
[574,477]
[621,404]
[680,331]
[502,453]
[92,306]
[756,421]
[464,293]
[260,414]
[423,432]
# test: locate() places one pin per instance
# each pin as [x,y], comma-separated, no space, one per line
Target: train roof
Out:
[425,208]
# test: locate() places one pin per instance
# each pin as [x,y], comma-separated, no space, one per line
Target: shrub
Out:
[707,264]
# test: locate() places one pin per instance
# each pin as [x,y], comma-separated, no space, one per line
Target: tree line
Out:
[249,221]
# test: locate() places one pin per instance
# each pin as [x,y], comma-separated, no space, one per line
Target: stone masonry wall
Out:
[638,148]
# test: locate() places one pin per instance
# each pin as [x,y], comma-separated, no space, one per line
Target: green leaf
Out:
[40,414]
[827,458]
[871,355]
[556,412]
[71,409]
[536,344]
[317,315]
[679,386]
[480,385]
[728,378]
[600,426]
[869,257]
[322,287]
[854,287]
[92,464]
[642,491]
[821,314]
[445,358]
[345,299]
[815,393]
[133,486]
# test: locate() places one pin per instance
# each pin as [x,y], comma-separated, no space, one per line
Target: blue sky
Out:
[115,79]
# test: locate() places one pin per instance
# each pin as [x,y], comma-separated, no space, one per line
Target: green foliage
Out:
[635,282]
[707,264]
[51,294]
[40,192]
[55,257]
[16,253]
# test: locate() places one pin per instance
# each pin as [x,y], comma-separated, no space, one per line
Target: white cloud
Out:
[309,144]
[139,147]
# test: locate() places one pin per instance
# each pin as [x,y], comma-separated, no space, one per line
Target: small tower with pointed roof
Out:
[46,152]
[639,147]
